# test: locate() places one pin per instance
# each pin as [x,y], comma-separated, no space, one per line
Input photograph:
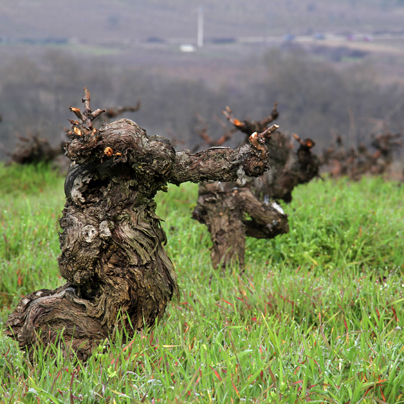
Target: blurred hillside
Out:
[103,20]
[333,67]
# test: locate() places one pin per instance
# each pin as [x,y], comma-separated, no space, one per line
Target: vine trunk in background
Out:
[234,211]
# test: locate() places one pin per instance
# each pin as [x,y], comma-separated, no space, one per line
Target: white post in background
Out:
[200,28]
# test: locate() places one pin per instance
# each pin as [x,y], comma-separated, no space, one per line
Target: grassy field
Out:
[317,318]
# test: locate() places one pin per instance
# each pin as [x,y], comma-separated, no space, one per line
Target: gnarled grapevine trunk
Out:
[111,242]
[356,163]
[280,184]
[222,207]
[34,149]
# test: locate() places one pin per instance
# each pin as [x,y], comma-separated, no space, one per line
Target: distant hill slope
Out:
[95,20]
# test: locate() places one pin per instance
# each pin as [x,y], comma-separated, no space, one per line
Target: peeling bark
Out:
[111,240]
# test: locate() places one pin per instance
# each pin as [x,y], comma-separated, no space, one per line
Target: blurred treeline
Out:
[315,98]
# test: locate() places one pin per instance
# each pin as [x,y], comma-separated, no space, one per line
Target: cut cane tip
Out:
[270,130]
[310,143]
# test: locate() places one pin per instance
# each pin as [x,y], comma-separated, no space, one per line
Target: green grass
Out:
[317,318]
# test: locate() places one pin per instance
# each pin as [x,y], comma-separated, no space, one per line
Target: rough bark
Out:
[223,207]
[111,240]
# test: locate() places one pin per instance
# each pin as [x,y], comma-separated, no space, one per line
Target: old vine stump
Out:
[222,207]
[279,183]
[111,240]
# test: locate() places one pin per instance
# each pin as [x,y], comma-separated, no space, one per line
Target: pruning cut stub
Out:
[108,151]
[77,131]
[310,143]
[267,133]
[258,139]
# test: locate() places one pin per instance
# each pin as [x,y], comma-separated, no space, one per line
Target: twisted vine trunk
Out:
[279,183]
[223,207]
[34,149]
[112,253]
